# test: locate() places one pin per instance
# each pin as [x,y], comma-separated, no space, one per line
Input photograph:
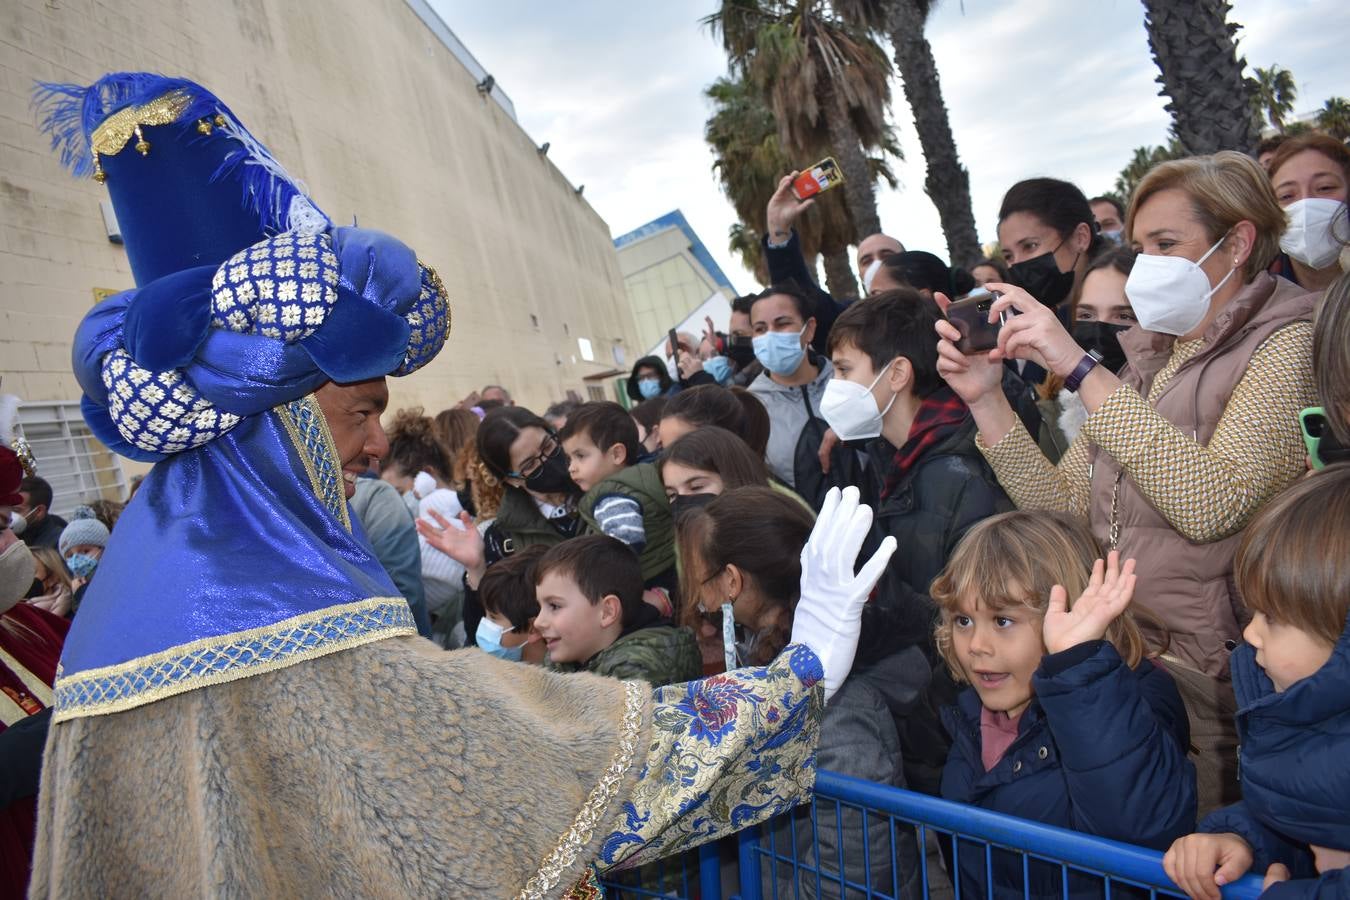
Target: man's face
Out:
[498,394]
[34,515]
[874,247]
[740,325]
[1107,217]
[353,413]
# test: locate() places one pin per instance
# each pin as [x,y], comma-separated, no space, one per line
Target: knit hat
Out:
[84,528]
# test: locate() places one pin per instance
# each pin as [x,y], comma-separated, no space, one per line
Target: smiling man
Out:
[241,630]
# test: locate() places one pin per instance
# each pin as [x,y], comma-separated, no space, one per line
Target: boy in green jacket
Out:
[592,616]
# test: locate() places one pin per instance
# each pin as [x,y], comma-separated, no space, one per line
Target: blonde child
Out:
[1066,721]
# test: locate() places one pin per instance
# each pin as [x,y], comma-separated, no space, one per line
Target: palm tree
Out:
[1201,74]
[749,159]
[1144,159]
[1273,95]
[947,183]
[1334,118]
[827,84]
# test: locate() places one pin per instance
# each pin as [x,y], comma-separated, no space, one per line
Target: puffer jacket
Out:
[1101,749]
[1295,780]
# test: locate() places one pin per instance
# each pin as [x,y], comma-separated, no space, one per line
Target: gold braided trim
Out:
[599,799]
[230,657]
[36,686]
[113,132]
[330,492]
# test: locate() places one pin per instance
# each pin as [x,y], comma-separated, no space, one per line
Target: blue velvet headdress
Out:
[238,554]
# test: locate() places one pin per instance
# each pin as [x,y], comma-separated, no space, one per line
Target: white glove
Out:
[829,615]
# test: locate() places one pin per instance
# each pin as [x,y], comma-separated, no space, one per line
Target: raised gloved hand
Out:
[829,615]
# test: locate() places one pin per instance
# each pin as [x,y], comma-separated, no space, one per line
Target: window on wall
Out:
[69,457]
[595,393]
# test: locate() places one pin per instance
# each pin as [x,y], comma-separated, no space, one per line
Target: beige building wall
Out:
[364,103]
[665,282]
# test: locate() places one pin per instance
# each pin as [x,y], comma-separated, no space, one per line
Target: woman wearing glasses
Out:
[538,503]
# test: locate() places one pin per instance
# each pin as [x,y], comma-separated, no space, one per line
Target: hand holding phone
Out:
[823,176]
[970,316]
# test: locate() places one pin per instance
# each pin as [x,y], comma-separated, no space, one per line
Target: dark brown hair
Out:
[456,427]
[1013,560]
[762,533]
[757,424]
[1292,563]
[499,431]
[1060,205]
[713,449]
[890,325]
[599,565]
[1331,357]
[507,588]
[707,404]
[648,413]
[415,447]
[604,423]
[1324,144]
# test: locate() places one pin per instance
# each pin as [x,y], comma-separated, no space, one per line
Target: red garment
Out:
[33,637]
[997,732]
[940,414]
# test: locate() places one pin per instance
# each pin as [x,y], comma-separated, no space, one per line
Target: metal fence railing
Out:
[859,840]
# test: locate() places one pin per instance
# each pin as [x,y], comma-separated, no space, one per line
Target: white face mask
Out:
[851,409]
[870,275]
[1317,228]
[1170,294]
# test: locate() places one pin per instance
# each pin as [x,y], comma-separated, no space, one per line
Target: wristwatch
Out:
[1085,365]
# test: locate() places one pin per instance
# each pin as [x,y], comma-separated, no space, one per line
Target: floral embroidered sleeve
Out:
[727,752]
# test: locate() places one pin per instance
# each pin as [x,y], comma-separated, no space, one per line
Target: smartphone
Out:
[1323,448]
[674,350]
[970,315]
[818,179]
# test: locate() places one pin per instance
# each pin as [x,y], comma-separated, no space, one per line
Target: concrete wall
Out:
[664,283]
[360,100]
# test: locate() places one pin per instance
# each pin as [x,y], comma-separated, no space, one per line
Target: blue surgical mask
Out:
[81,565]
[489,636]
[719,367]
[780,352]
[649,388]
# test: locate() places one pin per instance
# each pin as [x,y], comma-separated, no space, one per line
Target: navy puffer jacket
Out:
[1101,749]
[1295,767]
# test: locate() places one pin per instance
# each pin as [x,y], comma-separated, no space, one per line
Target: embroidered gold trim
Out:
[226,646]
[329,448]
[599,799]
[113,133]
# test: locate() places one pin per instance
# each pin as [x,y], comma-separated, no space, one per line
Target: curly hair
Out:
[414,446]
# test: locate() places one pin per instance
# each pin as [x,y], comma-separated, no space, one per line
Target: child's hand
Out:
[1276,873]
[458,540]
[1191,862]
[1106,597]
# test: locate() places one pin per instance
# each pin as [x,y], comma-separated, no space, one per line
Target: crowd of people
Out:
[1123,529]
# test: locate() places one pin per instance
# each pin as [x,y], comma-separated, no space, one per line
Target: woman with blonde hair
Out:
[1198,431]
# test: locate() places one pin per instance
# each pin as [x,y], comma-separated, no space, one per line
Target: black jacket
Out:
[45,533]
[785,265]
[932,506]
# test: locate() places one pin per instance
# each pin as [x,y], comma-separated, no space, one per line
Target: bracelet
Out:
[1085,365]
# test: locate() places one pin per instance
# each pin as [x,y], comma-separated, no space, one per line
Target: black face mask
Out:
[1041,278]
[552,477]
[683,504]
[1103,337]
[741,350]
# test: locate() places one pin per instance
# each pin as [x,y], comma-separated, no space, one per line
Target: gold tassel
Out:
[142,145]
[220,120]
[204,126]
[99,175]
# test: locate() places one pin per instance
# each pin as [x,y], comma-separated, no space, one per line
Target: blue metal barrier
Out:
[976,842]
[998,856]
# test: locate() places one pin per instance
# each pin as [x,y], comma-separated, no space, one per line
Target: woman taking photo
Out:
[1201,427]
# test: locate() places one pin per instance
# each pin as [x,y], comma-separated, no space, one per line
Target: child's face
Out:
[93,550]
[1287,653]
[588,464]
[682,481]
[512,637]
[573,628]
[999,651]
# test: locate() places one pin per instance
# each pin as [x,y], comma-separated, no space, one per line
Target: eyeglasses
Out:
[529,467]
[1323,448]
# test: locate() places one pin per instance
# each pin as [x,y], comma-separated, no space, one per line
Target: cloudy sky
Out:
[1034,87]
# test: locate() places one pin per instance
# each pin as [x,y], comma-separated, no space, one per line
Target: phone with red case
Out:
[818,179]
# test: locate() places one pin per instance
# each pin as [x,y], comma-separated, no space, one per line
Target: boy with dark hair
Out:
[592,616]
[622,498]
[510,607]
[927,482]
[43,528]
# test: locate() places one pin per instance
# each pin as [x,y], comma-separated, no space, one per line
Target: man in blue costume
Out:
[243,707]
